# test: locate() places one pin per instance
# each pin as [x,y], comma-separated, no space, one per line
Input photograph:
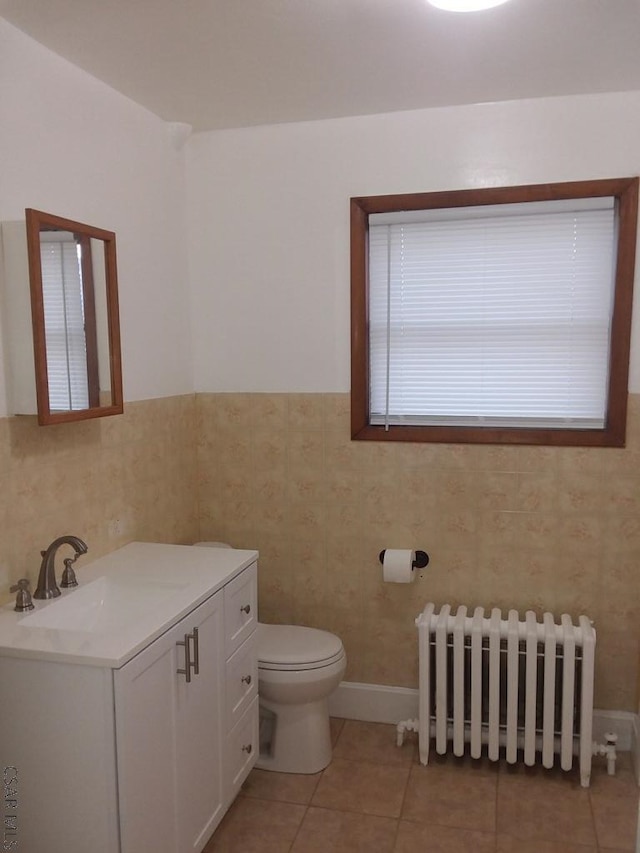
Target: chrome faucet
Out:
[47,586]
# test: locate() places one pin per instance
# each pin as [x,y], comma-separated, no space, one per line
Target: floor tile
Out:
[615,820]
[612,850]
[451,796]
[418,838]
[622,783]
[360,786]
[532,809]
[328,831]
[283,787]
[257,826]
[373,800]
[376,742]
[509,844]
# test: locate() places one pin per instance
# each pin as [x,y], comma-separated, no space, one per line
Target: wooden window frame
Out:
[624,190]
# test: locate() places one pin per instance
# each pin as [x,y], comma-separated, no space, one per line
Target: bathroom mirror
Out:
[74,312]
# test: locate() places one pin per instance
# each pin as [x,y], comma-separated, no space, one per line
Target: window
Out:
[494,316]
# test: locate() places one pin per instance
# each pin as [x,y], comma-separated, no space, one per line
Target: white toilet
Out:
[298,669]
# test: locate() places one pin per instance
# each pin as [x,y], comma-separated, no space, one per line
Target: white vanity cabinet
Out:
[187,724]
[145,757]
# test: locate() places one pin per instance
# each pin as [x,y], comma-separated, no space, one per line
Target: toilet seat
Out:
[293,648]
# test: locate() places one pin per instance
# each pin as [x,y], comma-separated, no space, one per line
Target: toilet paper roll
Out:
[397,565]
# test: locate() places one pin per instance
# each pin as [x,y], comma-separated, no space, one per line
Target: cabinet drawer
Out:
[240,608]
[242,749]
[241,679]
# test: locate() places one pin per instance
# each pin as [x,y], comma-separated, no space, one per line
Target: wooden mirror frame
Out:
[37,221]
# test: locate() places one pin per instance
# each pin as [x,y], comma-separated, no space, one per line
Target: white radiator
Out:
[522,688]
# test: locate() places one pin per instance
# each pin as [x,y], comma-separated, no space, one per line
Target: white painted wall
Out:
[269,218]
[72,146]
[268,210]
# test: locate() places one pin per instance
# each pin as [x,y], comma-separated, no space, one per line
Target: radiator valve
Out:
[608,749]
[405,726]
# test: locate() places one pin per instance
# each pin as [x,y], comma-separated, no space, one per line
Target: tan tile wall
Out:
[539,528]
[513,527]
[136,469]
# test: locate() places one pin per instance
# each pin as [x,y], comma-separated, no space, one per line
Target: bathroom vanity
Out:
[128,706]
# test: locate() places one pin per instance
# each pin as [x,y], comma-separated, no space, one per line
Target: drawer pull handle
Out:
[187,658]
[248,749]
[246,679]
[246,609]
[196,652]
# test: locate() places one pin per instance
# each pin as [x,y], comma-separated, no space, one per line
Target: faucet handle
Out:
[69,576]
[23,597]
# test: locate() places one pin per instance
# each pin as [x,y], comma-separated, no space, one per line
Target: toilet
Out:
[298,669]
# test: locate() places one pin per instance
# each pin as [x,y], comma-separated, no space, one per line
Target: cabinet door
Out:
[146,724]
[168,736]
[199,717]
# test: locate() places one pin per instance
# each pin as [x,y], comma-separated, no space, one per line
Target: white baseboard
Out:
[373,703]
[377,703]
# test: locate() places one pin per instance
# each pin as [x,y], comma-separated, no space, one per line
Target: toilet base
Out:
[300,738]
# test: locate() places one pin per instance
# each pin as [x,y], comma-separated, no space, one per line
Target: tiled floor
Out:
[376,798]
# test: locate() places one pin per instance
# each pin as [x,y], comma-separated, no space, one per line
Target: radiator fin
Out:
[548,729]
[476,683]
[568,694]
[494,685]
[458,682]
[513,656]
[441,680]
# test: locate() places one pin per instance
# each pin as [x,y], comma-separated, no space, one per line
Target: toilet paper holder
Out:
[421,561]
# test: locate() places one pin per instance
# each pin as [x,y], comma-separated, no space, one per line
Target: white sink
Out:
[103,605]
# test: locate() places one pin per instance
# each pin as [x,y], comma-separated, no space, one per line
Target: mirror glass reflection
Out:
[72,268]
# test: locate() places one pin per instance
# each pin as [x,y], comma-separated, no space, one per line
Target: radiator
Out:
[523,689]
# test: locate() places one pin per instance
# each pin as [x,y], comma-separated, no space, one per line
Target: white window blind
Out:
[495,315]
[64,322]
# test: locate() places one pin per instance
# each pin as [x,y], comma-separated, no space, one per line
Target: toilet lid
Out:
[296,647]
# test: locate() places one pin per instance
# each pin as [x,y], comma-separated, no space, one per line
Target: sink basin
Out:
[103,605]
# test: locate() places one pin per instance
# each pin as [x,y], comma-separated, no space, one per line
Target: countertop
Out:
[189,574]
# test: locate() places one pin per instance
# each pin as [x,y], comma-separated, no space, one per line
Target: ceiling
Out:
[232,63]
